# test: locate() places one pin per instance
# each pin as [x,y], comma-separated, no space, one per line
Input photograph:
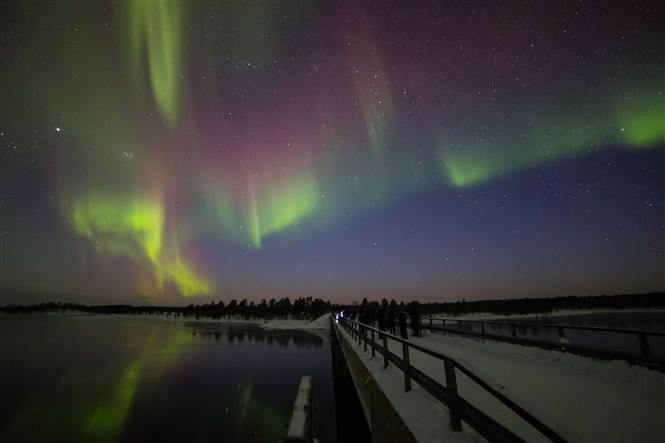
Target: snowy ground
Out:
[321,323]
[425,416]
[583,399]
[557,313]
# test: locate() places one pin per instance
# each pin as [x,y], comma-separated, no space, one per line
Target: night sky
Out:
[182,152]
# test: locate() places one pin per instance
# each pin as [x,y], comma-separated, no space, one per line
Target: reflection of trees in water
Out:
[252,334]
[306,340]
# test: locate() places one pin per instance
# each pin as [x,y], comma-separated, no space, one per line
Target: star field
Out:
[156,151]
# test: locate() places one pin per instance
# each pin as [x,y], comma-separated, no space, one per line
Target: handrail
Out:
[645,354]
[459,408]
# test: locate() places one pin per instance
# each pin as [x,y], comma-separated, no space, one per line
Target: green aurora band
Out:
[134,228]
[155,30]
[270,208]
[643,117]
[636,124]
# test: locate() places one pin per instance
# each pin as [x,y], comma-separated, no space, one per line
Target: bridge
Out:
[410,391]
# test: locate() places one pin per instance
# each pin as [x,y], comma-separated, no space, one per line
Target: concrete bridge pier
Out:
[351,422]
[364,413]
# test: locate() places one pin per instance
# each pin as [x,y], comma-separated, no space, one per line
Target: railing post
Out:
[482,330]
[407,367]
[644,345]
[453,399]
[365,339]
[430,322]
[373,344]
[385,350]
[443,325]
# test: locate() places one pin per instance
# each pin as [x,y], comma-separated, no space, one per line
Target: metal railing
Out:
[459,408]
[563,341]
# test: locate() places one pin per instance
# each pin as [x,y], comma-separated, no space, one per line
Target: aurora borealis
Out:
[158,151]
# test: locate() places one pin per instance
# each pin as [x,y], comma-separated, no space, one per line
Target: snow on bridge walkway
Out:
[584,399]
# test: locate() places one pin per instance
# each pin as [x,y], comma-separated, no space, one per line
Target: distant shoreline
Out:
[556,313]
[304,309]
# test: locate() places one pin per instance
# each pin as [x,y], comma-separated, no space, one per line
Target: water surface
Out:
[108,379]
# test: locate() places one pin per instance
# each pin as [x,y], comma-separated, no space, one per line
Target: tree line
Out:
[311,308]
[544,305]
[300,308]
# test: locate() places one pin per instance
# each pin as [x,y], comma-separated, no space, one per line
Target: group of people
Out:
[388,316]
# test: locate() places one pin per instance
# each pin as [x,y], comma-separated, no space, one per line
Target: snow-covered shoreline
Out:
[320,323]
[556,313]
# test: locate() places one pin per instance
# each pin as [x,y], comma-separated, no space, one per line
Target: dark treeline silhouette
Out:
[301,308]
[310,308]
[513,306]
[544,305]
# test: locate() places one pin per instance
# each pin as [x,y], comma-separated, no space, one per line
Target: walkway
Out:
[583,399]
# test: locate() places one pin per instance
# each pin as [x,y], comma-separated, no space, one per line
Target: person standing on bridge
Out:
[414,313]
[392,317]
[382,314]
[402,323]
[363,317]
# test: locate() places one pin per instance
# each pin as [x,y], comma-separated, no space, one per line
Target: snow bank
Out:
[555,313]
[321,323]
